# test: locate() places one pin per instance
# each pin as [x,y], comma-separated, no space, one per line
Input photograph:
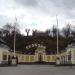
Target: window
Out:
[4,57]
[31,58]
[48,58]
[27,58]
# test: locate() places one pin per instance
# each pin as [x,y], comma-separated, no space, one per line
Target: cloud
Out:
[39,12]
[51,7]
[28,2]
[4,20]
[70,4]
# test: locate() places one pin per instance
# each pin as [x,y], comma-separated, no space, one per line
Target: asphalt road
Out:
[37,70]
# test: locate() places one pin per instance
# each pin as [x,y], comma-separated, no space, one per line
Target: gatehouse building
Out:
[38,56]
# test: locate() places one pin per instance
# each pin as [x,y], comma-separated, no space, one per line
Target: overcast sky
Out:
[37,14]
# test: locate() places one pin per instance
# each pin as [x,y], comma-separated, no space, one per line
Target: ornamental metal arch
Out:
[35,45]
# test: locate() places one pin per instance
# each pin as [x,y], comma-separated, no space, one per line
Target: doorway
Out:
[40,59]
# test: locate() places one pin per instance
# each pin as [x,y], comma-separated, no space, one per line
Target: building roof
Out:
[72,44]
[2,41]
[3,45]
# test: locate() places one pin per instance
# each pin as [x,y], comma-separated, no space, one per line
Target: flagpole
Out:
[57,54]
[15,37]
[57,37]
[14,40]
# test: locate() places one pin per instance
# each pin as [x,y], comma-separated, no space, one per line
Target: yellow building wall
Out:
[25,58]
[22,58]
[4,56]
[50,58]
[5,52]
[74,56]
[32,58]
[63,57]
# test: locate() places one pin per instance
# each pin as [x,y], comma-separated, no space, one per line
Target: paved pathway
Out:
[37,70]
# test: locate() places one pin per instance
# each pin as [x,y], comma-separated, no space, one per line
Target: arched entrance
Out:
[40,54]
[40,58]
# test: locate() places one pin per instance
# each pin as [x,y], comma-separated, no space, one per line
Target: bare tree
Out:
[8,29]
[1,32]
[34,32]
[48,32]
[54,31]
[67,31]
[27,31]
